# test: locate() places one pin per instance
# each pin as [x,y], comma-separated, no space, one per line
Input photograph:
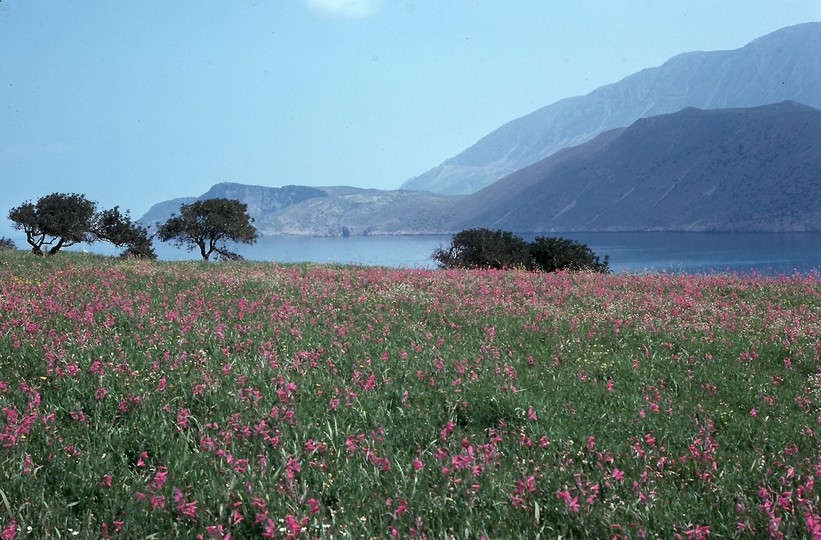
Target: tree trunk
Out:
[56,247]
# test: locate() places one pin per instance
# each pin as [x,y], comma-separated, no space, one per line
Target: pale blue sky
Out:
[132,103]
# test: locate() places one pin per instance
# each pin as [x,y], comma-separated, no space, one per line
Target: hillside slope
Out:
[783,65]
[755,169]
[326,211]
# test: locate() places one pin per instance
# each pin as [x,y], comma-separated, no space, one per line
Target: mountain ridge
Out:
[782,65]
[741,169]
[324,211]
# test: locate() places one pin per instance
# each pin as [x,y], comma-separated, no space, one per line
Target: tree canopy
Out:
[60,220]
[552,253]
[484,248]
[119,229]
[57,220]
[208,224]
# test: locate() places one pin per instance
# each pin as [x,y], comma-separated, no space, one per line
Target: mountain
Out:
[348,211]
[260,200]
[161,211]
[326,211]
[742,169]
[752,169]
[783,65]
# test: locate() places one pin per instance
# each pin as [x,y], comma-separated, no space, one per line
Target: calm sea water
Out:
[769,254]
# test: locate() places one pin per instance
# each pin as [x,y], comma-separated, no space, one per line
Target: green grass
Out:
[350,402]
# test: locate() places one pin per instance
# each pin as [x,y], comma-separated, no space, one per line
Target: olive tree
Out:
[57,220]
[60,220]
[208,224]
[118,228]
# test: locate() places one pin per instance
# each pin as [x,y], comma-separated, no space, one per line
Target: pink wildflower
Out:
[9,531]
[185,508]
[182,418]
[158,480]
[292,525]
[571,502]
[699,532]
[447,429]
[217,532]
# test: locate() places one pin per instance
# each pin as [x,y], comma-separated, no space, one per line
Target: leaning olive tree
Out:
[57,220]
[61,220]
[208,224]
[119,229]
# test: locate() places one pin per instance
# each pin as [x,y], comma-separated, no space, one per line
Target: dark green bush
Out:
[483,248]
[552,253]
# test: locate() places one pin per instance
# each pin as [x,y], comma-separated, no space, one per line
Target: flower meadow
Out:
[257,400]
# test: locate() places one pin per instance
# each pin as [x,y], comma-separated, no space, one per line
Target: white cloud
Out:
[353,9]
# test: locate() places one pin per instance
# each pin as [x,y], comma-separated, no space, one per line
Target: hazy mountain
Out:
[161,211]
[260,200]
[754,169]
[263,200]
[361,212]
[784,65]
[326,211]
[746,169]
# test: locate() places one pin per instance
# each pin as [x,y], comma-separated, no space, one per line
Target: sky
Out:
[133,103]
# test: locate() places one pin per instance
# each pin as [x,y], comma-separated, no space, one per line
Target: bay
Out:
[764,253]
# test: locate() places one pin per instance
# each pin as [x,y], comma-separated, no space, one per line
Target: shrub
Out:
[141,249]
[551,254]
[226,255]
[483,248]
[7,243]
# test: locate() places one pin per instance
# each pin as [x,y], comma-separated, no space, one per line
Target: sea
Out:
[673,252]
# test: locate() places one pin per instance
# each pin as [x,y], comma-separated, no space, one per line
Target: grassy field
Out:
[242,400]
